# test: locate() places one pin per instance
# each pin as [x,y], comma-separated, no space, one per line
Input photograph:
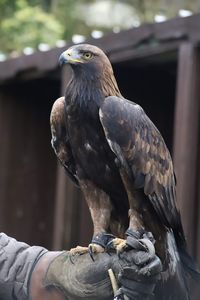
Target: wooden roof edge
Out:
[177,29]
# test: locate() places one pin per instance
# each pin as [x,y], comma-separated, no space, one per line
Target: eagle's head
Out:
[86,57]
[91,64]
[83,54]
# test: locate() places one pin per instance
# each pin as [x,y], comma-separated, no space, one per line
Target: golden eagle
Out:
[116,155]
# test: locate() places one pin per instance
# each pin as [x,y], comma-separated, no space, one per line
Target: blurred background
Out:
[154,49]
[26,24]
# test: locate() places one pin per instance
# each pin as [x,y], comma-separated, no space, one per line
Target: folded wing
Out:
[142,152]
[60,138]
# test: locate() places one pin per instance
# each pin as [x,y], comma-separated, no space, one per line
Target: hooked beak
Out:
[69,56]
[63,59]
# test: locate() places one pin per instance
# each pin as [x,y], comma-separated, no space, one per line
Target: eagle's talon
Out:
[91,252]
[78,250]
[95,248]
[117,244]
[109,247]
[74,252]
[71,260]
[91,249]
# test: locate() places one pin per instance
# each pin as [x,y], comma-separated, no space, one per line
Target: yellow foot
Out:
[91,249]
[94,248]
[119,244]
[78,250]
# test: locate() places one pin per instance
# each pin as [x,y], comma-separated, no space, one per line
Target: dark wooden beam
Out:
[186,136]
[59,211]
[150,53]
[27,180]
[197,254]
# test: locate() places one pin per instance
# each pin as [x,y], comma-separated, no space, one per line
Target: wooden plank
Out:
[197,254]
[73,213]
[26,180]
[60,198]
[147,53]
[186,136]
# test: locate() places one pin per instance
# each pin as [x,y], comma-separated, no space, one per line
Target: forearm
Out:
[37,288]
[17,261]
[23,269]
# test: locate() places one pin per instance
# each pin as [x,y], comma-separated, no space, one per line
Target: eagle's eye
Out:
[87,55]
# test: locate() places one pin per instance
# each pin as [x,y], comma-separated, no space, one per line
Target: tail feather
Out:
[189,264]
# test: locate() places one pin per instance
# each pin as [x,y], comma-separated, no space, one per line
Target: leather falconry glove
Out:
[140,270]
[79,277]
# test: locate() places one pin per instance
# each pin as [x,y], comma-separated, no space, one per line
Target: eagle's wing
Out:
[141,150]
[60,139]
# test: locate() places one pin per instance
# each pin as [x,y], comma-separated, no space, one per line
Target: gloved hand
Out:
[136,271]
[140,268]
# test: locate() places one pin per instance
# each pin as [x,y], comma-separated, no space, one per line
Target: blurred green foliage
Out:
[29,26]
[26,23]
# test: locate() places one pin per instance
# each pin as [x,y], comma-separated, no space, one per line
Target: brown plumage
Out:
[117,156]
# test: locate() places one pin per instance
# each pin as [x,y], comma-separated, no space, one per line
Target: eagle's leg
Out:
[136,225]
[100,208]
